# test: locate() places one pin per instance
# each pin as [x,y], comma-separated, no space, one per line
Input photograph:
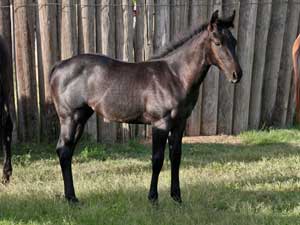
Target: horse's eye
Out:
[218,43]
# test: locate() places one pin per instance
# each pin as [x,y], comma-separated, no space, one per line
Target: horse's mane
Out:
[179,40]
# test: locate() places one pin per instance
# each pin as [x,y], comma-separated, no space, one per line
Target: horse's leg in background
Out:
[159,139]
[71,129]
[175,143]
[6,140]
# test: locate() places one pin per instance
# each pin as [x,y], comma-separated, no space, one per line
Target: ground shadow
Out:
[203,204]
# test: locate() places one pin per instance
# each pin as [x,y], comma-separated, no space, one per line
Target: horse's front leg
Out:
[6,137]
[159,139]
[175,142]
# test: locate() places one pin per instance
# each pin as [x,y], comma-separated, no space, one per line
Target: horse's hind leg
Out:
[7,135]
[159,139]
[175,143]
[71,130]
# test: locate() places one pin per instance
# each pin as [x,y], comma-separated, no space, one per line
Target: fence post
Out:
[273,56]
[210,88]
[124,50]
[25,70]
[68,32]
[246,35]
[87,44]
[285,72]
[261,37]
[47,45]
[226,89]
[107,132]
[198,16]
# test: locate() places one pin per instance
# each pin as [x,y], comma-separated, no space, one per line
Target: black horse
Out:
[162,92]
[5,105]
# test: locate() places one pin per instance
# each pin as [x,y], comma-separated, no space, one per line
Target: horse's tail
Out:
[295,52]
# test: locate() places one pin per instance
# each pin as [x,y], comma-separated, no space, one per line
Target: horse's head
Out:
[222,46]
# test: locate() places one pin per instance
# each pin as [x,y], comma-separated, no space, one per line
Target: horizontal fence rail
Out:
[42,32]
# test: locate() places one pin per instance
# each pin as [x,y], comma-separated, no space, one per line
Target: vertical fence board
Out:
[68,31]
[149,40]
[25,70]
[285,72]
[246,38]
[273,56]
[162,24]
[265,35]
[124,50]
[210,89]
[198,16]
[175,19]
[106,17]
[87,44]
[261,36]
[140,44]
[47,45]
[226,89]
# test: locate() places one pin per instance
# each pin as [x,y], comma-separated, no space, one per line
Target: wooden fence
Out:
[41,32]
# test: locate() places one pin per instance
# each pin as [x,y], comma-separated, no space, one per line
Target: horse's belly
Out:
[120,111]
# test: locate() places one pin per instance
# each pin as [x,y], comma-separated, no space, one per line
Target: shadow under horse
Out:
[161,91]
[5,105]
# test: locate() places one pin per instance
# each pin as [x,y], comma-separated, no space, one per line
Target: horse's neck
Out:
[189,62]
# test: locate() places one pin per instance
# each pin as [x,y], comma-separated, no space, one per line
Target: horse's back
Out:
[119,91]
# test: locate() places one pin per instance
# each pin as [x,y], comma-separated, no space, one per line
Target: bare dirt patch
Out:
[216,139]
[221,139]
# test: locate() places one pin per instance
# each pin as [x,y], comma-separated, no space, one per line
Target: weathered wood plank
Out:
[149,40]
[285,72]
[87,44]
[24,21]
[162,24]
[198,16]
[261,36]
[140,40]
[226,89]
[48,55]
[106,15]
[246,40]
[210,89]
[273,56]
[124,50]
[68,31]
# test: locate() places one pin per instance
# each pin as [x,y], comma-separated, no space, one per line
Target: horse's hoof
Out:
[153,198]
[5,179]
[177,198]
[72,199]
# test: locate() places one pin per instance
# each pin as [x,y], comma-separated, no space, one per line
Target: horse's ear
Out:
[213,20]
[214,17]
[228,22]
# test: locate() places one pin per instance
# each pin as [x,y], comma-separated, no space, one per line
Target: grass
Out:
[255,182]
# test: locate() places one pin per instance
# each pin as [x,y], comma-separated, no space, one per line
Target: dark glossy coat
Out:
[6,126]
[162,92]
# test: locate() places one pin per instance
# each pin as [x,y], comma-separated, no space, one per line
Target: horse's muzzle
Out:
[236,77]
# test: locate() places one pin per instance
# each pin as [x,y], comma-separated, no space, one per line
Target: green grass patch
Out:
[255,182]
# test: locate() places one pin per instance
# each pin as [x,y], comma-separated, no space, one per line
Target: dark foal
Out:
[162,92]
[5,118]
